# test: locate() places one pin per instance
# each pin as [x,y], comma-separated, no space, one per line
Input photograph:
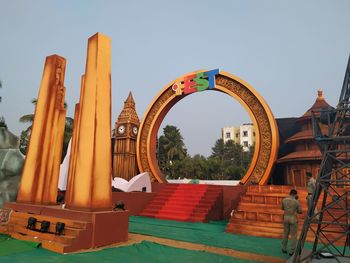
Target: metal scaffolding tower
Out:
[330,225]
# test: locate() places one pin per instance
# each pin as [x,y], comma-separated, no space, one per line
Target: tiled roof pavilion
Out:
[306,134]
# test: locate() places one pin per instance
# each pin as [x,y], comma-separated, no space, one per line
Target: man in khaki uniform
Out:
[311,187]
[291,207]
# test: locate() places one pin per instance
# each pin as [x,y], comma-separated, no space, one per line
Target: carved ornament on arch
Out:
[267,140]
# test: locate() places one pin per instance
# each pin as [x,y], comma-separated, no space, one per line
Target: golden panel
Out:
[267,142]
[92,165]
[41,168]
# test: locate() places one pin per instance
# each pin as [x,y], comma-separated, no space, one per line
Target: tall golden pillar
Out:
[124,152]
[39,181]
[74,142]
[89,185]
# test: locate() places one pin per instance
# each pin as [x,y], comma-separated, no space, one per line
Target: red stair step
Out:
[184,202]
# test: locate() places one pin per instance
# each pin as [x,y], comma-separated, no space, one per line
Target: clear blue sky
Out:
[286,50]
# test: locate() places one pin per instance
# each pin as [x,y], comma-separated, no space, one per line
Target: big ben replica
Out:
[125,133]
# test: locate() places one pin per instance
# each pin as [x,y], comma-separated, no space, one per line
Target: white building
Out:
[243,135]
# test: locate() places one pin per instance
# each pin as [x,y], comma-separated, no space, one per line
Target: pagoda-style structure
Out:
[125,135]
[258,212]
[305,156]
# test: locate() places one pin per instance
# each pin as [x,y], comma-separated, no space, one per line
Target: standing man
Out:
[311,187]
[291,207]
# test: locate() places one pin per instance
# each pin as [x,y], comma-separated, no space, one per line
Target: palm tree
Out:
[172,144]
[171,152]
[25,134]
[29,118]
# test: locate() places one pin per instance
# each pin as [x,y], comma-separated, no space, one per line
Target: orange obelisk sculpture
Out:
[39,181]
[75,138]
[89,183]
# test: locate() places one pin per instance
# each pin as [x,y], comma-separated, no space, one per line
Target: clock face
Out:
[135,130]
[121,129]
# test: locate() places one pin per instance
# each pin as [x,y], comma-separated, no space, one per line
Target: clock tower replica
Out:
[125,133]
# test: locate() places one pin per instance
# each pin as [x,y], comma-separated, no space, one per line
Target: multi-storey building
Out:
[243,135]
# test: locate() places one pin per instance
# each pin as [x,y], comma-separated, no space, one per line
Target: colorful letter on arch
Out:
[196,82]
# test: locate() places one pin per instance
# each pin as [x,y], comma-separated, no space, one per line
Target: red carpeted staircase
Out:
[186,202]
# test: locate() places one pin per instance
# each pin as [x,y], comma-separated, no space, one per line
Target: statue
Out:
[11,162]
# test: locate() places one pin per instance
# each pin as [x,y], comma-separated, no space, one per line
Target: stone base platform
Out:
[83,230]
[259,213]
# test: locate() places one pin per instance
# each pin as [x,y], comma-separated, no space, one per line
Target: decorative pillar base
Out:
[83,230]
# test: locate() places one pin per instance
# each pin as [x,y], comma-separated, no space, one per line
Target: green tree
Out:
[172,153]
[29,118]
[216,169]
[3,122]
[218,151]
[200,167]
[233,153]
[248,156]
[195,167]
[234,172]
[68,131]
[179,169]
[25,134]
[24,141]
[171,145]
[226,161]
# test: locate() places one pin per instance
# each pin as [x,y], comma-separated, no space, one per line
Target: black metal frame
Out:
[331,225]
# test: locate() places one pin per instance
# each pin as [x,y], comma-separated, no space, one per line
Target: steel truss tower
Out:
[330,225]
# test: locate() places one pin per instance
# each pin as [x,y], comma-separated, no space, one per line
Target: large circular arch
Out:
[267,141]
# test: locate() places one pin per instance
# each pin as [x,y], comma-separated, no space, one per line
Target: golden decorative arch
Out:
[267,139]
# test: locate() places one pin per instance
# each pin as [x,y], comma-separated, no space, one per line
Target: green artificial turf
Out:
[147,252]
[211,234]
[10,246]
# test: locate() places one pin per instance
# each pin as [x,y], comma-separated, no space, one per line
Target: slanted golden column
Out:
[74,142]
[72,159]
[40,173]
[89,185]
